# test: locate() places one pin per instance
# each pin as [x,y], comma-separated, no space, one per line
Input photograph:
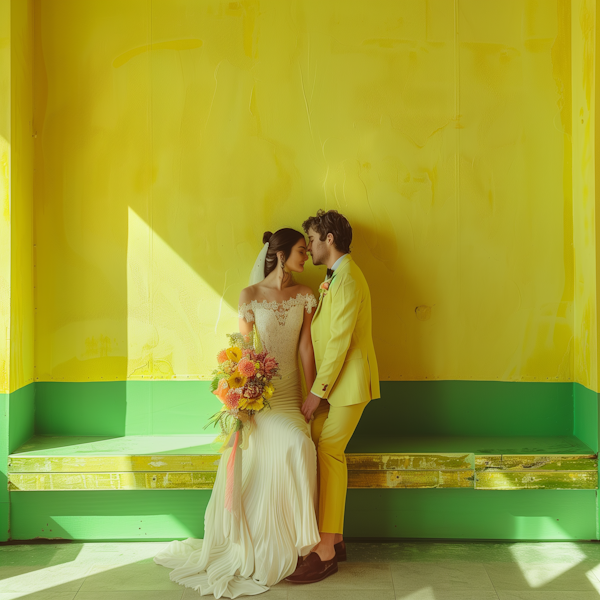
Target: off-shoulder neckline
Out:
[299,294]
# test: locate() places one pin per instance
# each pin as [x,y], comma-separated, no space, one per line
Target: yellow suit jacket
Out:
[343,341]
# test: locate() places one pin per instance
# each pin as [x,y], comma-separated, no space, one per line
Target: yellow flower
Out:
[234,354]
[237,380]
[269,389]
[251,403]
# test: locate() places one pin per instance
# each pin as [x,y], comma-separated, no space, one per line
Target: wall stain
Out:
[179,44]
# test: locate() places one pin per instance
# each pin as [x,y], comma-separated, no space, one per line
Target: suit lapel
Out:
[319,303]
[343,265]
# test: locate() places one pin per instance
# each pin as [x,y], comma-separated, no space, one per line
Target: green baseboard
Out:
[425,514]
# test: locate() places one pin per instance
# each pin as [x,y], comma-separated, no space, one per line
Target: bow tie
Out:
[329,273]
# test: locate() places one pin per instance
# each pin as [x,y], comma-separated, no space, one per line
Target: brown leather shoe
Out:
[313,569]
[340,551]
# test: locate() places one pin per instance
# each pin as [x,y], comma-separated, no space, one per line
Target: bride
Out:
[277,522]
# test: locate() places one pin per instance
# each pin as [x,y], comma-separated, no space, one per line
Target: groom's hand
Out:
[310,405]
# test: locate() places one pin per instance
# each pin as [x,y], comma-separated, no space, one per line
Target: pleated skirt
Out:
[277,523]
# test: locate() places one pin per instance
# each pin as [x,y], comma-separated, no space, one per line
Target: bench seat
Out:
[161,462]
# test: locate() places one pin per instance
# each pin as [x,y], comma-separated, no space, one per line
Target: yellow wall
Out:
[172,134]
[22,281]
[4,195]
[583,17]
[16,192]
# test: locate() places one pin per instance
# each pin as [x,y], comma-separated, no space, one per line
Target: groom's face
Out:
[318,250]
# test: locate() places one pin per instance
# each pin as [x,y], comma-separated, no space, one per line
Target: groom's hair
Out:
[331,222]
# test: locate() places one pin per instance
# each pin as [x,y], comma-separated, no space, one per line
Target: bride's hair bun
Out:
[267,236]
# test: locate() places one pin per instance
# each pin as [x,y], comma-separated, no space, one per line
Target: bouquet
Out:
[242,382]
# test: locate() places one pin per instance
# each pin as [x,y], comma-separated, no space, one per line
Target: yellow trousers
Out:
[331,430]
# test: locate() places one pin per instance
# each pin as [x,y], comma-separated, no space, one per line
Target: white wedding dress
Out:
[277,521]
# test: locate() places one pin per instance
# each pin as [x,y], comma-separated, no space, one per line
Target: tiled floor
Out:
[403,571]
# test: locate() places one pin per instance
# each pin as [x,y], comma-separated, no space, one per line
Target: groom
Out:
[347,379]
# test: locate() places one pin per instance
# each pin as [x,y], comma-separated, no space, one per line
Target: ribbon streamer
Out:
[230,485]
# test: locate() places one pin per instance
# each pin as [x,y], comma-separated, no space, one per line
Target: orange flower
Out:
[246,367]
[232,399]
[222,389]
[222,357]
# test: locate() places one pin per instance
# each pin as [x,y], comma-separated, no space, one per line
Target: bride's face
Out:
[298,257]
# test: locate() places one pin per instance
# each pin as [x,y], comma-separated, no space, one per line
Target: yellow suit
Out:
[347,379]
[342,340]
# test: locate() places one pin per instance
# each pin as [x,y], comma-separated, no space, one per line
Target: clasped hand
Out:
[310,405]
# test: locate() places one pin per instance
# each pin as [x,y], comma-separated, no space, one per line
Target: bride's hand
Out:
[310,405]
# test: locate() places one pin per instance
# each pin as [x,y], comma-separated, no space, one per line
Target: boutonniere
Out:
[323,288]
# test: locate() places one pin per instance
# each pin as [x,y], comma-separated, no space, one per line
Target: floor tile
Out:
[427,551]
[272,594]
[39,554]
[133,595]
[57,578]
[43,595]
[351,576]
[119,554]
[306,592]
[553,552]
[143,575]
[412,570]
[429,593]
[546,577]
[548,595]
[440,576]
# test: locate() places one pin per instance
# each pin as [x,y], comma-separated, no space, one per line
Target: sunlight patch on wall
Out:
[537,528]
[176,322]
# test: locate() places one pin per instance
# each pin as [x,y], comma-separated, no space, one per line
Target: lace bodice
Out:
[279,325]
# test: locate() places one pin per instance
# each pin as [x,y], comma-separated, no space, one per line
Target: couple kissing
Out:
[294,474]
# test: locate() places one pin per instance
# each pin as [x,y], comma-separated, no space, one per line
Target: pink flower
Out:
[246,368]
[232,399]
[270,365]
[324,285]
[252,391]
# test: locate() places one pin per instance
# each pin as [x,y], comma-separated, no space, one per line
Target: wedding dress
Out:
[279,481]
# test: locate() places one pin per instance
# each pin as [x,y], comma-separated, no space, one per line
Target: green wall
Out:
[4,497]
[585,415]
[437,513]
[16,427]
[407,408]
[425,410]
